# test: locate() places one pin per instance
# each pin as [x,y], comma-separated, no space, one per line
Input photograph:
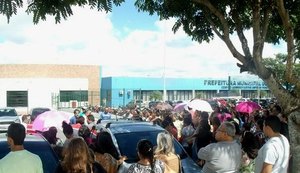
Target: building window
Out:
[80,96]
[17,98]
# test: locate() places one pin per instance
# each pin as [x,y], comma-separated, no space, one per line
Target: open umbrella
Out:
[223,116]
[200,105]
[247,107]
[180,107]
[163,106]
[49,119]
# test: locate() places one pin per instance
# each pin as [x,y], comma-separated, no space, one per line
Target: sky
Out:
[124,42]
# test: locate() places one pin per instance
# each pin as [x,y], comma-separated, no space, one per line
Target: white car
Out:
[8,115]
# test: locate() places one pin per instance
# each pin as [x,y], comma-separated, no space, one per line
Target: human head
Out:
[104,144]
[272,123]
[80,120]
[164,143]
[53,130]
[145,149]
[67,129]
[204,116]
[275,110]
[84,131]
[76,156]
[90,118]
[76,112]
[16,132]
[226,131]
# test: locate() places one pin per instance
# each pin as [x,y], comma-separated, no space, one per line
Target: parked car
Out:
[37,145]
[126,134]
[34,112]
[8,115]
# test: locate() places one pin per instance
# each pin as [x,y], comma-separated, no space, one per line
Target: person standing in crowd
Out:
[187,133]
[106,153]
[74,118]
[147,163]
[202,135]
[223,156]
[50,135]
[19,160]
[274,154]
[165,152]
[77,158]
[68,132]
[106,115]
[168,124]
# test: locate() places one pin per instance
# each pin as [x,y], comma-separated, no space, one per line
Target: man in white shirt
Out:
[19,160]
[223,156]
[273,157]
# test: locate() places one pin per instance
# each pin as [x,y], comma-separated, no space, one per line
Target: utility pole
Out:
[229,86]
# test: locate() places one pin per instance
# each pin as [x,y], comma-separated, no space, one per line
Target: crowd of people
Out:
[220,141]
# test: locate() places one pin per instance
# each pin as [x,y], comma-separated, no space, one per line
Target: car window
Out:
[8,112]
[127,143]
[42,149]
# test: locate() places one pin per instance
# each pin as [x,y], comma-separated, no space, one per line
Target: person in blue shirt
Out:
[74,118]
[106,115]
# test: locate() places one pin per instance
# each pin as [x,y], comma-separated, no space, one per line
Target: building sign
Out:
[236,84]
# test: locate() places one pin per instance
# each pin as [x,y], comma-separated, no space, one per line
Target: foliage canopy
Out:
[57,8]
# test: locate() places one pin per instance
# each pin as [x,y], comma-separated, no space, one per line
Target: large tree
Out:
[270,21]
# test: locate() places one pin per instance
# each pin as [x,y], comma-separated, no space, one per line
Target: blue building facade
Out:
[119,91]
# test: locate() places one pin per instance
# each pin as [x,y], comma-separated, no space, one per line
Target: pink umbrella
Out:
[223,116]
[247,107]
[50,118]
[180,107]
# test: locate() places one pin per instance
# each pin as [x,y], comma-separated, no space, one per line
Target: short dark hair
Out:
[204,115]
[273,122]
[277,108]
[67,128]
[16,132]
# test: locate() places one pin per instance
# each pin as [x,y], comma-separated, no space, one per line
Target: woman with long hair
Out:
[77,159]
[166,153]
[147,162]
[106,153]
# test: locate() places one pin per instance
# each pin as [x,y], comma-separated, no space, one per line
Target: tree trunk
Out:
[294,129]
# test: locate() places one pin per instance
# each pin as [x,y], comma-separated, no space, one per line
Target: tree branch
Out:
[266,22]
[284,97]
[264,72]
[289,37]
[257,50]
[242,38]
[290,76]
[225,25]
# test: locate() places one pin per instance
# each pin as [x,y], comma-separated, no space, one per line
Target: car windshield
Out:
[127,143]
[7,112]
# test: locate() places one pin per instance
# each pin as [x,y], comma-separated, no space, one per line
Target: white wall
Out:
[40,89]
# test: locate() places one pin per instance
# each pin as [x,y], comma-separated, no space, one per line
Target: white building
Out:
[53,86]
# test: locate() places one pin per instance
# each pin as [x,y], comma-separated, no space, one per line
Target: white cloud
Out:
[88,37]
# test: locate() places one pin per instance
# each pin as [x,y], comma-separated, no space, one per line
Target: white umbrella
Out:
[200,105]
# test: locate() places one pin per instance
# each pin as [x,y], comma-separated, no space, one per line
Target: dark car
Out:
[37,145]
[8,115]
[34,112]
[126,134]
